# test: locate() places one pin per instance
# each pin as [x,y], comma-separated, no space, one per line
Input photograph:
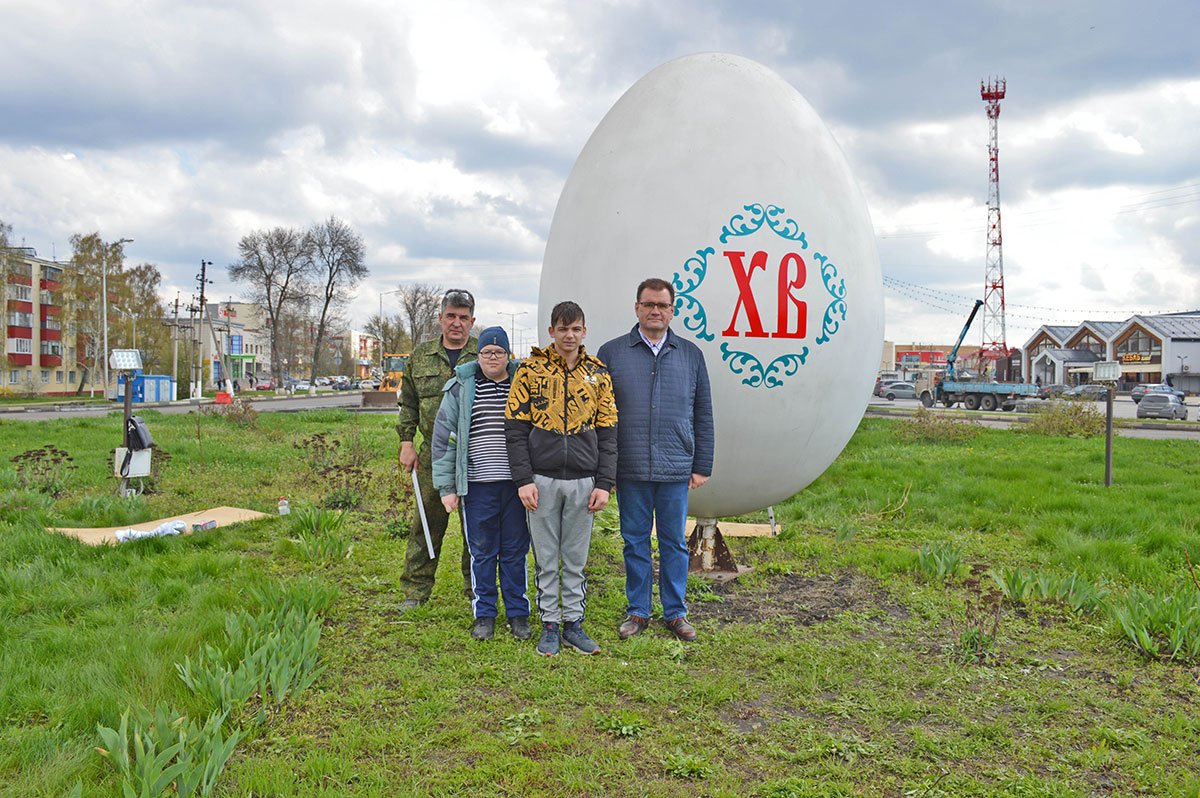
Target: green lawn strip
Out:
[830,670]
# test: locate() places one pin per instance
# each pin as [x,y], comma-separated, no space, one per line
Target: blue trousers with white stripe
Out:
[498,541]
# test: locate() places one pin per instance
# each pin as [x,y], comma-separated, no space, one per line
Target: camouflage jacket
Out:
[427,371]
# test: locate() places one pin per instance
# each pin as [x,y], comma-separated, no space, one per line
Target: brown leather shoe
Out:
[681,629]
[633,624]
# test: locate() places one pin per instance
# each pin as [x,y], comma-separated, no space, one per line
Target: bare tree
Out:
[390,331]
[422,303]
[337,253]
[275,266]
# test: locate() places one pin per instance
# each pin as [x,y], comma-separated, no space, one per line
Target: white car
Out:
[369,384]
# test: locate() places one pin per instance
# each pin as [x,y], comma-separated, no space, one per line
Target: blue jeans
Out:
[663,504]
[498,540]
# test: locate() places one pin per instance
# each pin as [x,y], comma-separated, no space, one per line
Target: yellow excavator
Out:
[388,392]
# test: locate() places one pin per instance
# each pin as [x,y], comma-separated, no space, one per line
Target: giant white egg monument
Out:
[715,173]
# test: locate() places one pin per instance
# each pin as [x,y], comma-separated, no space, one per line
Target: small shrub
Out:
[320,451]
[1068,419]
[1162,626]
[687,766]
[318,533]
[239,412]
[348,486]
[45,469]
[1015,585]
[166,748]
[975,640]
[1074,591]
[159,460]
[939,561]
[622,724]
[926,426]
[701,589]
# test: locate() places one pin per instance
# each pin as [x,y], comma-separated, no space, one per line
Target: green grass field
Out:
[871,652]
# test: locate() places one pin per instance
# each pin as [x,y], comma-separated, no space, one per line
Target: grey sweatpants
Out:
[560,532]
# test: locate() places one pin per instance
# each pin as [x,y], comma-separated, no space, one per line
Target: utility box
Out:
[148,388]
[139,462]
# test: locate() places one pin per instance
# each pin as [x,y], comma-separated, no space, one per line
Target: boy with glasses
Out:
[429,367]
[470,465]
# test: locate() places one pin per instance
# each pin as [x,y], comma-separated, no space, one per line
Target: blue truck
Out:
[947,389]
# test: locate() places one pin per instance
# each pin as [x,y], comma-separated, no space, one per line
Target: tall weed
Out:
[1067,419]
[926,426]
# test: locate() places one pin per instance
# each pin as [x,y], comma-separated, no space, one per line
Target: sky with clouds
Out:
[443,132]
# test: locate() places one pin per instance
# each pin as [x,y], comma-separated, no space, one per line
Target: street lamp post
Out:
[512,325]
[133,317]
[396,291]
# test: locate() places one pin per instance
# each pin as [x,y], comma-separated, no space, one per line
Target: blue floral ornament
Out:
[695,319]
[837,290]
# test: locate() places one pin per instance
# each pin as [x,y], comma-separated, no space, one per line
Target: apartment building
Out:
[44,352]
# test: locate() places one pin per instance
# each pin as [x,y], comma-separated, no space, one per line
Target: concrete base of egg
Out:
[715,173]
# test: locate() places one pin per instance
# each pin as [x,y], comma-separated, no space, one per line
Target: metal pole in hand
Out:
[421,512]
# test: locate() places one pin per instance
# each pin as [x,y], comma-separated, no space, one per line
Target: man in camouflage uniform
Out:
[429,367]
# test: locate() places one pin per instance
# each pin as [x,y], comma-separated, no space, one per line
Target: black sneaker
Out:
[574,635]
[548,645]
[519,626]
[483,628]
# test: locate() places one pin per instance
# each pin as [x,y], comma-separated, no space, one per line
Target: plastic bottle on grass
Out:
[284,509]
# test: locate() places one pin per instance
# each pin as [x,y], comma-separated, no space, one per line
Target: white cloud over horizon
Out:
[444,132]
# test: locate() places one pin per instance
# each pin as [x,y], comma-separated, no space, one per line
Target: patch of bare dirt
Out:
[807,600]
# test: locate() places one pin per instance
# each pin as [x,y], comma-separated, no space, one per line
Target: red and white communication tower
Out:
[995,345]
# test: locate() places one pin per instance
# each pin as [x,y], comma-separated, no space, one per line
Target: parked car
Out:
[321,381]
[342,385]
[301,385]
[899,390]
[264,385]
[1092,392]
[1141,390]
[1052,390]
[1162,405]
[369,384]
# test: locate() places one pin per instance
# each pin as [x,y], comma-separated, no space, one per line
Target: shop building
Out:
[1150,348]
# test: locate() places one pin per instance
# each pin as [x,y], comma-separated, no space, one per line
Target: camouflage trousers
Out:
[419,570]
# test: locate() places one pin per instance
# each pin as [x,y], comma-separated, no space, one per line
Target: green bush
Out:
[939,561]
[1067,418]
[926,426]
[1161,625]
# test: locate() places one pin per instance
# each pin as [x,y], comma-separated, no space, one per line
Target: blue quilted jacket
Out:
[665,407]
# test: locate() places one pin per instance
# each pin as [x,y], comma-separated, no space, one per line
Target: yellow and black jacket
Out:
[562,423]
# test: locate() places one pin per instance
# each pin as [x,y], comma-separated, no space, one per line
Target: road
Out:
[284,404]
[1123,408]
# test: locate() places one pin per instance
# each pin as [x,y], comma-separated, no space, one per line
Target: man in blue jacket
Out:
[664,448]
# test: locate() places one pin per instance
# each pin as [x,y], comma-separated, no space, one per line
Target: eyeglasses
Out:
[493,354]
[663,306]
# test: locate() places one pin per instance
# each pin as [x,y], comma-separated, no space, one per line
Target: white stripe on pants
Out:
[560,532]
